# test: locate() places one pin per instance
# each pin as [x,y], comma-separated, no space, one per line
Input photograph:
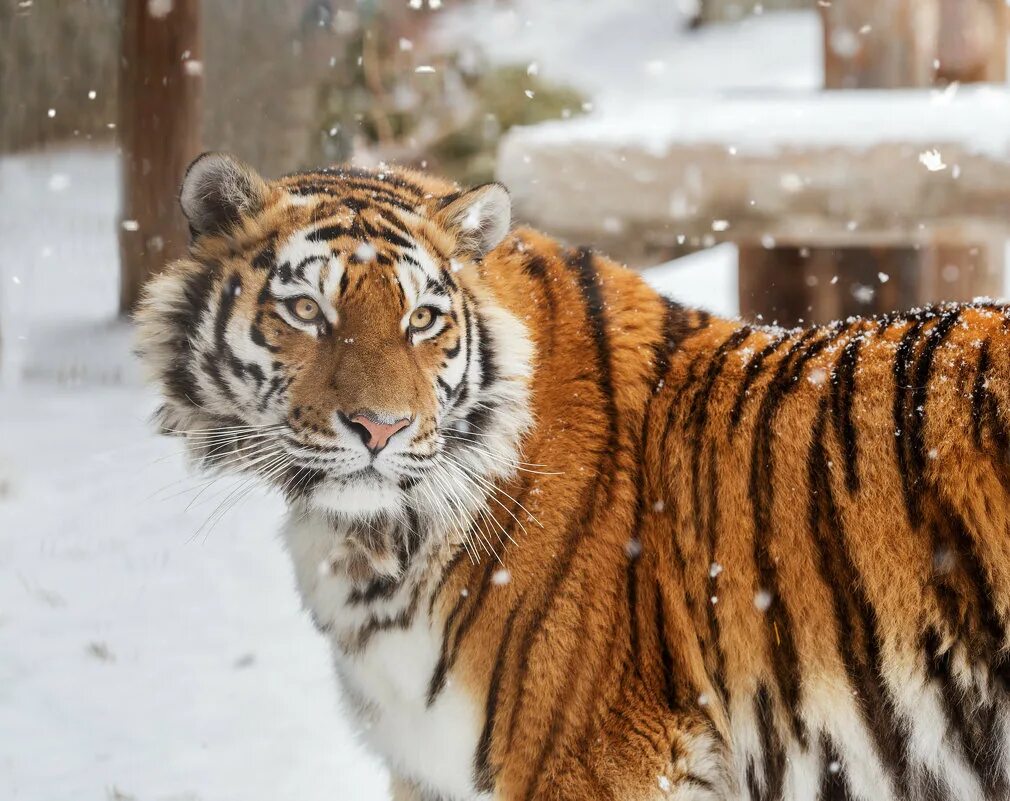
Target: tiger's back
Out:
[775,565]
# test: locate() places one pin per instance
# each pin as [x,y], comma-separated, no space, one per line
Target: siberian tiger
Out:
[571,540]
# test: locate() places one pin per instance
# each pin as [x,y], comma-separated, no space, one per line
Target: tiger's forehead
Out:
[339,249]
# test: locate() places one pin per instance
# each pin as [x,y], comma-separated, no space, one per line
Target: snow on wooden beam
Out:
[821,169]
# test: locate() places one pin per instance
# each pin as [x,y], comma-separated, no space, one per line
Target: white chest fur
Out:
[385,680]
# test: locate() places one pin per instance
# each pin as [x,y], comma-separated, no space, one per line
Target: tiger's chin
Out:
[364,496]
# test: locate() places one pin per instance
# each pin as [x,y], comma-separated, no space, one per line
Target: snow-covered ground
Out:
[141,656]
[146,653]
[627,53]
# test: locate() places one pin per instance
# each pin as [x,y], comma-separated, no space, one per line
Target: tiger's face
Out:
[332,332]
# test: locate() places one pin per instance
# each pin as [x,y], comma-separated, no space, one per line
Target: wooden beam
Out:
[160,90]
[889,43]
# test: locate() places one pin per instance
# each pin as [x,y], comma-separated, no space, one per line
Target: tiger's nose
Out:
[373,431]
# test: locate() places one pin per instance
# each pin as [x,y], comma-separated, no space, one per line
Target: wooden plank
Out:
[890,43]
[160,86]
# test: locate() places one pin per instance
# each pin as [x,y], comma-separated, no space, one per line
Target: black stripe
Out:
[676,700]
[264,260]
[581,262]
[834,787]
[979,395]
[920,382]
[707,525]
[772,748]
[488,368]
[902,367]
[975,725]
[751,373]
[484,774]
[778,627]
[184,321]
[843,390]
[858,631]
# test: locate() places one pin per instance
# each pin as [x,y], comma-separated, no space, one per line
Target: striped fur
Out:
[735,562]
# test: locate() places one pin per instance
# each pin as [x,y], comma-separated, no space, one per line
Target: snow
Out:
[135,659]
[617,51]
[706,279]
[138,656]
[766,123]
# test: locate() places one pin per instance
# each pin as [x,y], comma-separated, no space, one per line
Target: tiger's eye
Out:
[422,318]
[305,309]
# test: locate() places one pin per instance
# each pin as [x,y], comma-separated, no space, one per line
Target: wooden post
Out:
[887,44]
[160,90]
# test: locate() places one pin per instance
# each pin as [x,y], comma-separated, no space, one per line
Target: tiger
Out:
[569,539]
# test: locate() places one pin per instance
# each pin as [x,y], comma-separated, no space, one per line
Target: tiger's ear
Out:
[479,218]
[217,190]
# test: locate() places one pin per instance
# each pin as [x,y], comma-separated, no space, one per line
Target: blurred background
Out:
[790,160]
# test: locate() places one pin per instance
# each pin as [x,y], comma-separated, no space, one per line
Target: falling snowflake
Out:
[863,293]
[364,252]
[883,277]
[633,548]
[424,68]
[659,506]
[664,784]
[406,44]
[714,569]
[932,160]
[817,376]
[159,9]
[501,577]
[720,225]
[130,225]
[762,600]
[58,181]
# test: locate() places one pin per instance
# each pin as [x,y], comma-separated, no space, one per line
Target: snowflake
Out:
[364,252]
[159,9]
[932,160]
[762,600]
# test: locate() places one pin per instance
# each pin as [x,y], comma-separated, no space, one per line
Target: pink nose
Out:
[376,434]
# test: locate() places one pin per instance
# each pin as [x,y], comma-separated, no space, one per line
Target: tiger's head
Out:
[333,331]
